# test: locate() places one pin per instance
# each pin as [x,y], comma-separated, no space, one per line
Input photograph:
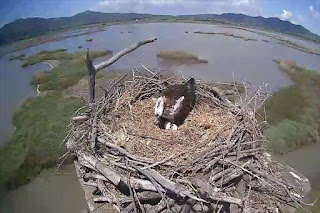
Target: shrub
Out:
[287,135]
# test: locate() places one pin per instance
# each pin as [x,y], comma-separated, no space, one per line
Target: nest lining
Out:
[135,129]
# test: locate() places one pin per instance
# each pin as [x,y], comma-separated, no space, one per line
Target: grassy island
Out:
[180,57]
[52,51]
[18,57]
[294,111]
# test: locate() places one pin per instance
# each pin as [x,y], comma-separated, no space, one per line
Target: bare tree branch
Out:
[122,53]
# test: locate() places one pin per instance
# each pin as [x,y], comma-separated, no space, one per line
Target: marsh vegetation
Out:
[180,57]
[71,70]
[282,41]
[40,126]
[18,57]
[294,111]
[41,121]
[296,46]
[228,34]
[52,51]
[40,57]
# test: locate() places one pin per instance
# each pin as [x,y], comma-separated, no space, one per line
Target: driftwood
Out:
[201,175]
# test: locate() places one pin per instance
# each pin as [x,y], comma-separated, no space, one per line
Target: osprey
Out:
[175,104]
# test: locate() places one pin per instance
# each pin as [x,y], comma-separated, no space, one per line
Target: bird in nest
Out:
[175,104]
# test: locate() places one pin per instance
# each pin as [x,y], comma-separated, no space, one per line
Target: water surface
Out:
[306,160]
[50,192]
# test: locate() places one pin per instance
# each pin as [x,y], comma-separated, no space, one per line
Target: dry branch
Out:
[111,175]
[122,53]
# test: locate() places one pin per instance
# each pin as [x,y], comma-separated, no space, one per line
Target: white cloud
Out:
[176,7]
[241,2]
[314,13]
[300,19]
[286,15]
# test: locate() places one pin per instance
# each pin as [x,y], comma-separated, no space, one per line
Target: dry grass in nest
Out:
[135,129]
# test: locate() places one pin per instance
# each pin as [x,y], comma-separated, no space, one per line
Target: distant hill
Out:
[30,27]
[272,23]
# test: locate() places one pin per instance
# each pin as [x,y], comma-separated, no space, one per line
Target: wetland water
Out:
[227,57]
[50,192]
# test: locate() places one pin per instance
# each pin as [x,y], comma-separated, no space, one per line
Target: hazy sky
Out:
[304,12]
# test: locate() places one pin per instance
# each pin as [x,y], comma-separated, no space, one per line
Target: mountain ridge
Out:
[272,23]
[30,27]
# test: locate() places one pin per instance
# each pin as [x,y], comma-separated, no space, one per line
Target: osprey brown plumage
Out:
[175,104]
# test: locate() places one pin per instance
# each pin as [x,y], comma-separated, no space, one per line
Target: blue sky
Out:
[304,12]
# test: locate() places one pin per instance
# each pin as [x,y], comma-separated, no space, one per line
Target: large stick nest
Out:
[214,162]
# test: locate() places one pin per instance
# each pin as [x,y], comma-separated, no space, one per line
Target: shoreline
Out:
[93,28]
[51,63]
